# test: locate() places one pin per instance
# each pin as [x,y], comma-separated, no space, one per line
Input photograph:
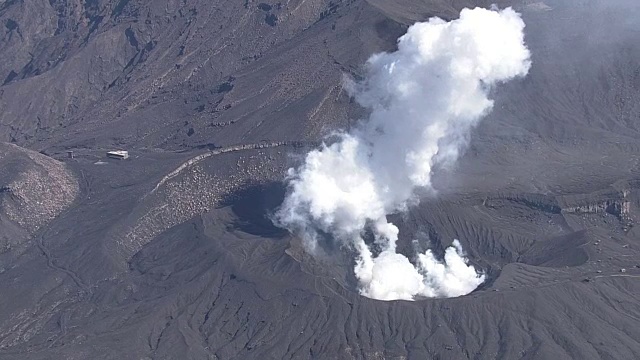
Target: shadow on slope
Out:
[254,205]
[252,209]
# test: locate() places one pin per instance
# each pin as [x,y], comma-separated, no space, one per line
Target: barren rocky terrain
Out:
[172,254]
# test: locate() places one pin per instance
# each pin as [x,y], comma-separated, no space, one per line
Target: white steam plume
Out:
[424,99]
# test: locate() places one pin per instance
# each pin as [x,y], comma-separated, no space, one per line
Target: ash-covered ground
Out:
[172,253]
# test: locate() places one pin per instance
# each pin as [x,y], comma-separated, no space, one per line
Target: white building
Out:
[118,154]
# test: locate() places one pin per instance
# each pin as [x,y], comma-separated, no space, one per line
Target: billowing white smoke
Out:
[424,99]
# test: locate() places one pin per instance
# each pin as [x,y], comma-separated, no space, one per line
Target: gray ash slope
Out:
[170,255]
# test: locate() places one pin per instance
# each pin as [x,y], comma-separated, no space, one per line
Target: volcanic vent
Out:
[423,101]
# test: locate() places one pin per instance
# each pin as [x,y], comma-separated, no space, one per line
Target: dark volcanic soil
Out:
[171,254]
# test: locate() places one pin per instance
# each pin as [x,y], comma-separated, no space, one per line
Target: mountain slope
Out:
[172,255]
